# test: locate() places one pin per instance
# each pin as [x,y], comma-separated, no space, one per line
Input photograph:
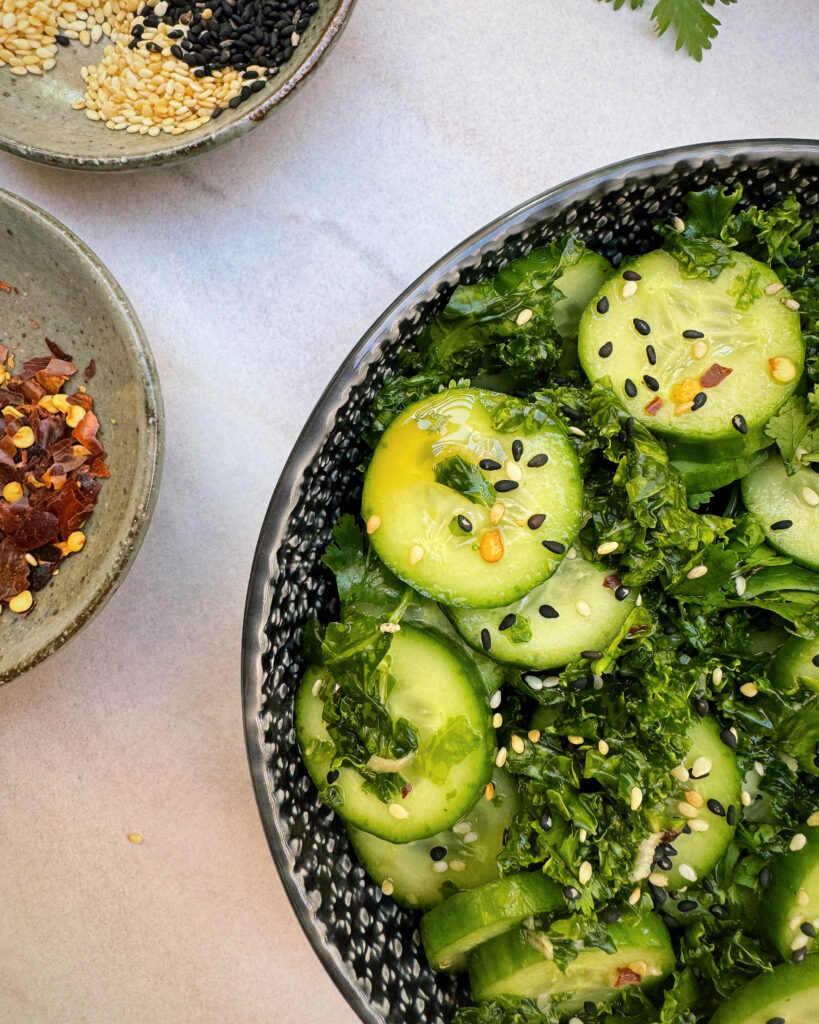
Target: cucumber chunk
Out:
[794,670]
[657,372]
[420,874]
[699,477]
[545,629]
[783,506]
[468,919]
[507,525]
[520,964]
[439,692]
[718,801]
[790,908]
[790,993]
[579,283]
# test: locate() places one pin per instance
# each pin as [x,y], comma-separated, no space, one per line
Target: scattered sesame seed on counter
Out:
[168,66]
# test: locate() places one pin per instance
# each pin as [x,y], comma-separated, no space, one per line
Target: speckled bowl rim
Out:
[321,421]
[198,144]
[152,442]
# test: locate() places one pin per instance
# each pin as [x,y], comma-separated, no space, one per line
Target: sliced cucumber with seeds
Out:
[796,668]
[520,964]
[787,508]
[787,995]
[464,511]
[699,477]
[466,920]
[711,800]
[419,875]
[437,689]
[579,283]
[580,608]
[789,911]
[703,362]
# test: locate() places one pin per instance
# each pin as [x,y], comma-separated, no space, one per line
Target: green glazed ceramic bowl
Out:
[64,293]
[37,122]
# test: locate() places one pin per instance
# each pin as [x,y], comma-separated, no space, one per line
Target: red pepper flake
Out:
[90,370]
[612,582]
[654,406]
[670,835]
[56,351]
[625,977]
[715,374]
[632,630]
[5,287]
[405,792]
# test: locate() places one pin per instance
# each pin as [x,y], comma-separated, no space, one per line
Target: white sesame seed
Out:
[513,471]
[798,842]
[749,689]
[397,811]
[500,760]
[572,553]
[607,547]
[796,921]
[790,762]
[416,553]
[791,304]
[679,224]
[550,682]
[699,349]
[373,523]
[636,797]
[810,496]
[577,431]
[524,316]
[687,872]
[585,872]
[390,627]
[702,766]
[517,744]
[639,601]
[759,768]
[800,941]
[582,835]
[813,819]
[495,699]
[687,810]
[634,897]
[659,879]
[461,827]
[629,289]
[716,676]
[680,773]
[533,682]
[316,687]
[583,608]
[603,747]
[471,837]
[802,898]
[440,865]
[741,584]
[746,798]
[698,825]
[774,289]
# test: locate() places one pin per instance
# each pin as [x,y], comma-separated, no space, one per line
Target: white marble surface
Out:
[254,270]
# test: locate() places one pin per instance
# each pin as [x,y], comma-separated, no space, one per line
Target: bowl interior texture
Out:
[66,296]
[37,122]
[368,944]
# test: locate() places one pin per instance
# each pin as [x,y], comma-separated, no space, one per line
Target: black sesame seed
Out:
[554,546]
[571,414]
[658,895]
[631,275]
[517,449]
[570,893]
[808,929]
[708,885]
[775,1020]
[729,738]
[765,877]
[591,655]
[605,350]
[589,1007]
[693,334]
[610,915]
[489,465]
[505,836]
[815,660]
[686,906]
[651,355]
[738,423]
[465,524]
[62,40]
[536,521]
[507,621]
[332,776]
[702,706]
[641,326]
[580,684]
[438,852]
[651,382]
[502,486]
[686,829]
[603,305]
[486,639]
[664,863]
[546,819]
[548,612]
[630,388]
[799,955]
[715,807]
[621,593]
[782,524]
[628,426]
[719,911]
[537,461]
[731,815]
[699,400]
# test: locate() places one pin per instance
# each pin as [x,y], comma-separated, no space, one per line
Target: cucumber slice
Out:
[699,477]
[777,500]
[718,801]
[419,874]
[545,629]
[518,965]
[466,920]
[579,283]
[740,332]
[789,993]
[794,670]
[438,691]
[790,909]
[460,552]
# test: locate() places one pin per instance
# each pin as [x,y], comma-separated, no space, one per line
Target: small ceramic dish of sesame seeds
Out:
[354,888]
[81,445]
[112,85]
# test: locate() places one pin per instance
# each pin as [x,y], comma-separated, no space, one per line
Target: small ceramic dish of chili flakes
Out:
[80,435]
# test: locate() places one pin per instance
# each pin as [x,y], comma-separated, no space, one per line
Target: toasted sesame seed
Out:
[679,224]
[523,317]
[694,798]
[517,744]
[416,553]
[697,572]
[495,699]
[701,767]
[607,547]
[584,873]
[635,896]
[716,676]
[749,689]
[497,720]
[774,289]
[687,810]
[636,797]
[500,760]
[699,349]
[798,842]
[534,735]
[813,819]
[746,798]
[603,747]
[791,304]
[576,740]
[659,879]
[698,825]
[397,811]
[489,792]
[680,773]
[387,887]
[496,513]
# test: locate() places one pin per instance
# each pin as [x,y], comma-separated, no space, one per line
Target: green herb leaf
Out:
[465,478]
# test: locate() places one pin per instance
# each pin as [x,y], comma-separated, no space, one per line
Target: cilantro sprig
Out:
[691,21]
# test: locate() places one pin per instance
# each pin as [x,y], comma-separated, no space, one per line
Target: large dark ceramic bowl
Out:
[37,122]
[61,291]
[369,945]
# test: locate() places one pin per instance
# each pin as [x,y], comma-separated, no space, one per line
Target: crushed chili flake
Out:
[654,406]
[715,374]
[625,976]
[59,473]
[612,582]
[90,370]
[670,835]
